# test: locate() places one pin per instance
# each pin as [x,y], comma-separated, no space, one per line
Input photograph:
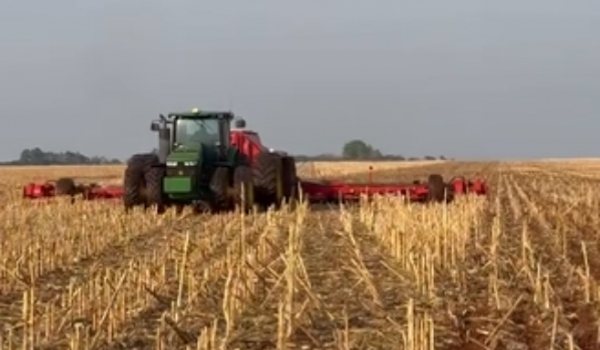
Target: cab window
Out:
[193,131]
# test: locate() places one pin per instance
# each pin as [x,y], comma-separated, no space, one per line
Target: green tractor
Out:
[197,165]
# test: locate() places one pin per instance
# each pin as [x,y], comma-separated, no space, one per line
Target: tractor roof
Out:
[196,113]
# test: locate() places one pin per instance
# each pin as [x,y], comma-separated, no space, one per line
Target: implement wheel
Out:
[436,188]
[290,179]
[65,186]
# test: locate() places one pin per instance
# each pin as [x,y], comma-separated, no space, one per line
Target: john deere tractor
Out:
[194,165]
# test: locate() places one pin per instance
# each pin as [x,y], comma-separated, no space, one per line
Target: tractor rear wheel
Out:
[267,175]
[65,186]
[244,187]
[219,186]
[436,188]
[154,191]
[134,181]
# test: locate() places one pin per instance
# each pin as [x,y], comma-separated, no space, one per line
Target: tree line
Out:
[357,150]
[352,150]
[36,156]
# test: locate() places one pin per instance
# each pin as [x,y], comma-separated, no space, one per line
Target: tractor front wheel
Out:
[154,191]
[134,179]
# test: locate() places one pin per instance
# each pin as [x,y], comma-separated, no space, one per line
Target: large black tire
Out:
[134,180]
[290,179]
[65,186]
[219,186]
[243,184]
[154,189]
[267,175]
[436,188]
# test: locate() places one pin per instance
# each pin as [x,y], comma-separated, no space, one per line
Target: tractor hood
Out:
[192,155]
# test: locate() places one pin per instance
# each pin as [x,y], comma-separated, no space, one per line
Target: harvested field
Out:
[517,270]
[336,170]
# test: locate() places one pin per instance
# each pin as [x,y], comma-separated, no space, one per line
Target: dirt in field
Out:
[516,270]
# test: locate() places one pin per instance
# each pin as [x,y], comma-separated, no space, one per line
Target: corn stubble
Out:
[518,270]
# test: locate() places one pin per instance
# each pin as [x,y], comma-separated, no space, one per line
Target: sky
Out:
[465,79]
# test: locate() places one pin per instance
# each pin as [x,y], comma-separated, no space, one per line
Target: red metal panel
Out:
[248,143]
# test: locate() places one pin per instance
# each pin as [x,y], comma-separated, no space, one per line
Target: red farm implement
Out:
[217,170]
[435,189]
[88,192]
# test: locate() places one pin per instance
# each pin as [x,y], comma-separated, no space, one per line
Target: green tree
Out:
[358,149]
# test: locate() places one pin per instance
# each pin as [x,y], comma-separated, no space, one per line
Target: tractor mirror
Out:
[154,126]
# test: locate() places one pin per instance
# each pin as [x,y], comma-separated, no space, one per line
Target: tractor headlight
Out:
[175,164]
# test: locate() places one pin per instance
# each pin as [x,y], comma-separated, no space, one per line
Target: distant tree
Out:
[355,149]
[358,149]
[392,157]
[374,153]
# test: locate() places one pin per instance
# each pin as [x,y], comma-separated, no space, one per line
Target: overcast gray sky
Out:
[477,79]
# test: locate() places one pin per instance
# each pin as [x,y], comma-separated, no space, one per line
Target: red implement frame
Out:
[416,192]
[89,192]
[312,191]
[250,144]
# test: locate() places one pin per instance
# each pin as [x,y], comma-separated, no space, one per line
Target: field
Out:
[517,270]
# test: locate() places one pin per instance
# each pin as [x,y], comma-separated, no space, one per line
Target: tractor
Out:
[200,162]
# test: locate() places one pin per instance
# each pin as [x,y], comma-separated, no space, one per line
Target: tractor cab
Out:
[191,146]
[188,132]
